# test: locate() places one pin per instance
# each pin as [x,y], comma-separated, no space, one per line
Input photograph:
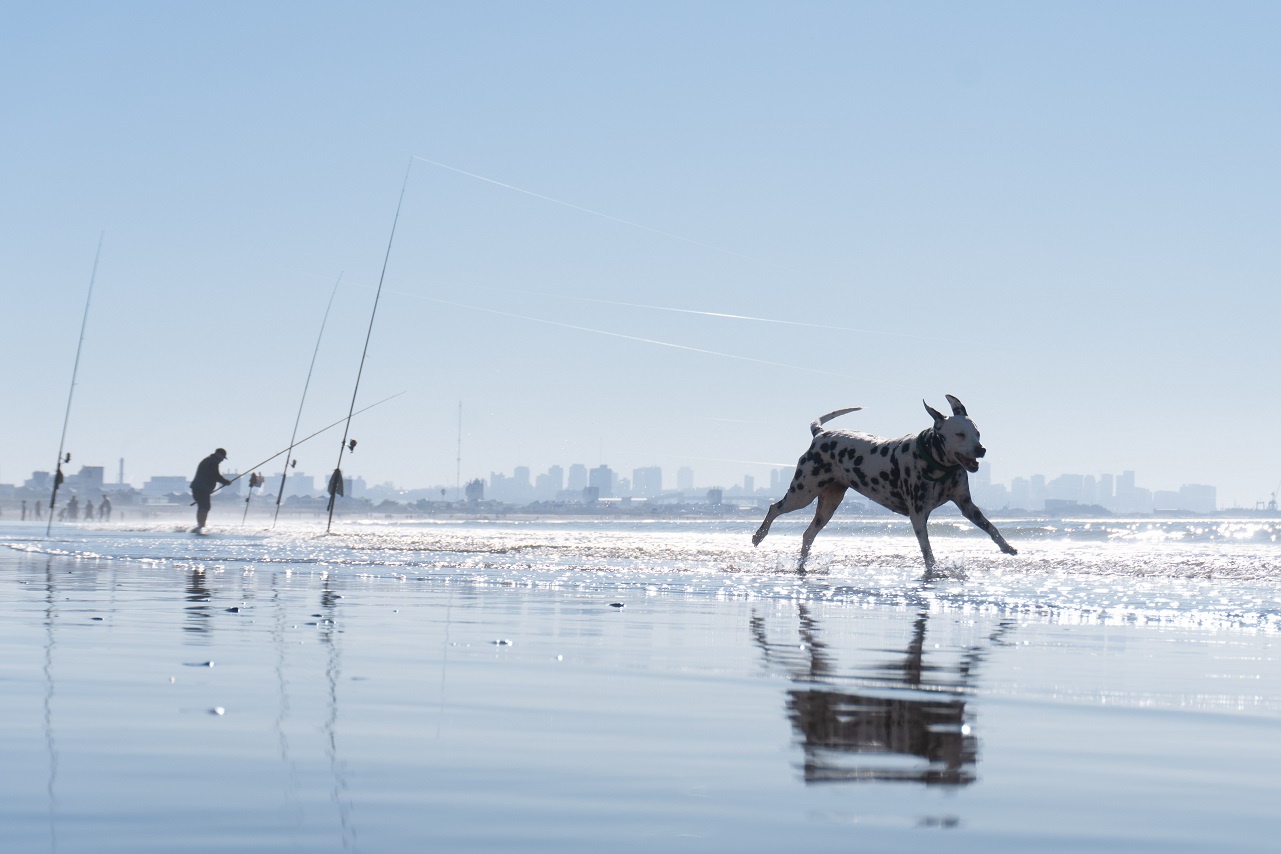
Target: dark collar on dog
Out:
[932,465]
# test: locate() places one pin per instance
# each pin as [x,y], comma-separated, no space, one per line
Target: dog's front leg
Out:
[972,512]
[920,524]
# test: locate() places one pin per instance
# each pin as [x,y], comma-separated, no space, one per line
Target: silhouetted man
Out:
[204,483]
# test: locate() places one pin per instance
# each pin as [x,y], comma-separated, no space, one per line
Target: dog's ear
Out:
[935,414]
[958,408]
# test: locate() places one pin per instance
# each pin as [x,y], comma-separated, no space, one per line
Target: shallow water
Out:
[477,687]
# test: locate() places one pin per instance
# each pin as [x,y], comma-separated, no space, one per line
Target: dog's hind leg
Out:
[794,500]
[828,500]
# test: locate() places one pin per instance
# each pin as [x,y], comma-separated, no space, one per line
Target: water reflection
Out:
[340,794]
[198,612]
[903,719]
[50,741]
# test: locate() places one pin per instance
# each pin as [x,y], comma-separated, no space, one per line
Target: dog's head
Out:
[958,435]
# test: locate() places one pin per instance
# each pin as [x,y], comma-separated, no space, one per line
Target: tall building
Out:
[1021,493]
[1037,493]
[511,490]
[299,484]
[1067,487]
[547,486]
[1126,494]
[1198,498]
[1106,495]
[577,478]
[601,479]
[647,482]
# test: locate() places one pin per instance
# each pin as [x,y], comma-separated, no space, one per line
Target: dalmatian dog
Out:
[911,475]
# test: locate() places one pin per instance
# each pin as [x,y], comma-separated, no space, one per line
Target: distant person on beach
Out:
[204,483]
[24,511]
[88,510]
[71,511]
[104,510]
[35,505]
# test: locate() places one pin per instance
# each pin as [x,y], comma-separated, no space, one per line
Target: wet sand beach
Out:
[449,691]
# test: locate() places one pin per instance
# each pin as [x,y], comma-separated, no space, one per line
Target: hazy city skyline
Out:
[1121,492]
[658,233]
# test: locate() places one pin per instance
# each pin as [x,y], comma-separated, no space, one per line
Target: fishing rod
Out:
[335,479]
[255,480]
[301,441]
[284,474]
[58,476]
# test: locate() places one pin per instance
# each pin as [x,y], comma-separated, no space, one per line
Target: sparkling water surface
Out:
[646,686]
[1211,574]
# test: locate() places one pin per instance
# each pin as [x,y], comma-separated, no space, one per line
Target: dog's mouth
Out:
[971,464]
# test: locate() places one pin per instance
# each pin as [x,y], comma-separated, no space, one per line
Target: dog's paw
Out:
[757,537]
[1009,549]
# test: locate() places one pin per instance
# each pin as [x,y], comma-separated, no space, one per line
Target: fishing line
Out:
[335,480]
[609,217]
[302,441]
[66,418]
[685,347]
[284,474]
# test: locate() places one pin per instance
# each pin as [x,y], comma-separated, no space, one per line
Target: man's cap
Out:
[222,452]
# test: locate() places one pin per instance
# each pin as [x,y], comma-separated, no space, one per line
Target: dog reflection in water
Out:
[862,728]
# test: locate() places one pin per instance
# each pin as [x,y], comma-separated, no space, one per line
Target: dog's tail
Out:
[816,426]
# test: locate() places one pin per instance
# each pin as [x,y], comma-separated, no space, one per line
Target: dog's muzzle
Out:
[971,464]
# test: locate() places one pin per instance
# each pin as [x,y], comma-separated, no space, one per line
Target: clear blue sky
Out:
[1064,214]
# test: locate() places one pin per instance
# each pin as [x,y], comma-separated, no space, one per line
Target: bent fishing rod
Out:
[335,479]
[284,473]
[221,487]
[84,321]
